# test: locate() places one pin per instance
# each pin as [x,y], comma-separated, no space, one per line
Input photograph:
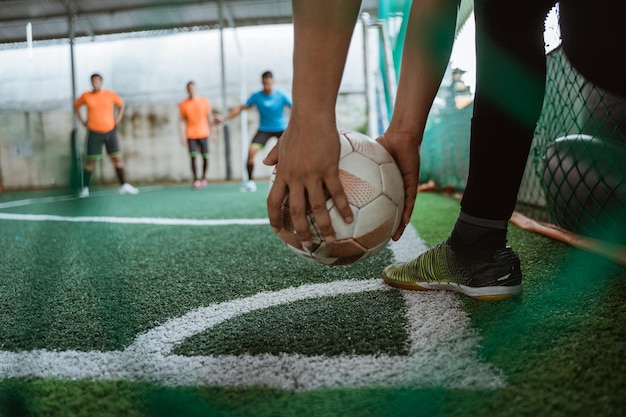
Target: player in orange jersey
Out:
[101,122]
[195,123]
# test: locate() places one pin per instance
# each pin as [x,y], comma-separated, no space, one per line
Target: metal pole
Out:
[370,95]
[243,119]
[74,136]
[390,80]
[224,103]
[72,19]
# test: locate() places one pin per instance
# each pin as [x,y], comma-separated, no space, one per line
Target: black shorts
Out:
[95,140]
[195,144]
[261,137]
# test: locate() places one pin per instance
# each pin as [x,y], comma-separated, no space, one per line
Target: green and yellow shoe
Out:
[440,268]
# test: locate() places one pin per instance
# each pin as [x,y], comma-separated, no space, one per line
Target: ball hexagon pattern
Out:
[373,185]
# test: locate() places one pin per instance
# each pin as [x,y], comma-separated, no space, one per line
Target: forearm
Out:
[181,131]
[80,118]
[120,114]
[234,112]
[322,34]
[426,53]
[307,154]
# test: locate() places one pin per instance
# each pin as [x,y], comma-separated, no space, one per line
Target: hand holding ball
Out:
[373,185]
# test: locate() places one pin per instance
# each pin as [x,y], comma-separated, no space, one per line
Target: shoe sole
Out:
[477,293]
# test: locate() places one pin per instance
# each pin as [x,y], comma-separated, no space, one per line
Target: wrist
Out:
[409,125]
[313,115]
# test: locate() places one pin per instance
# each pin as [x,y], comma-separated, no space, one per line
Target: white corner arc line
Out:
[442,352]
[164,338]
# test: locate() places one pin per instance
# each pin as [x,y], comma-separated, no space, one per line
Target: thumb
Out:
[272,157]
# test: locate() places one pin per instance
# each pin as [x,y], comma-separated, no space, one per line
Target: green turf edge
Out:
[579,374]
[51,398]
[563,345]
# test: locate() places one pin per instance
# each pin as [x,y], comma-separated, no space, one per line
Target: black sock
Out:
[478,238]
[205,167]
[193,168]
[250,169]
[120,175]
[86,178]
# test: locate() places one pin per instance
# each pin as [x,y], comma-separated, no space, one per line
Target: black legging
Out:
[510,87]
[593,40]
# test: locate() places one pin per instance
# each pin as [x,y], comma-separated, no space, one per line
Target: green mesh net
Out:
[445,146]
[576,172]
[579,155]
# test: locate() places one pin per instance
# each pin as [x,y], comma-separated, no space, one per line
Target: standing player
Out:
[270,102]
[195,118]
[101,122]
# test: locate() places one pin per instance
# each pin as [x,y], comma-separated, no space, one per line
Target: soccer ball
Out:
[583,179]
[374,188]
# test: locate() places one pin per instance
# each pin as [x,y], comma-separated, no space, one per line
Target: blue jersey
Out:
[271,108]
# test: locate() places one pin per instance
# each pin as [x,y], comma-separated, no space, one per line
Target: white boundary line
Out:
[159,221]
[55,199]
[29,201]
[442,351]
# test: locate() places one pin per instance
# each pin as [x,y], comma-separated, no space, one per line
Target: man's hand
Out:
[307,167]
[307,154]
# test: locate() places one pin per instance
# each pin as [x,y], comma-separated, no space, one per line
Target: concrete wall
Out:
[36,117]
[36,147]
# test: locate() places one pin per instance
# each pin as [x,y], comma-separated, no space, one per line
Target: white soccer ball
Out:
[374,188]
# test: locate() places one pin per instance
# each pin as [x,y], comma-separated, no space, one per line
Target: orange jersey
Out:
[195,111]
[100,109]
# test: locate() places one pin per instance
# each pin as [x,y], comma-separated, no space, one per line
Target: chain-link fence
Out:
[576,172]
[445,146]
[579,155]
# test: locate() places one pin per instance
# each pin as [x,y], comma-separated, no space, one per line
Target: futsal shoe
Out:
[126,188]
[440,268]
[197,184]
[84,193]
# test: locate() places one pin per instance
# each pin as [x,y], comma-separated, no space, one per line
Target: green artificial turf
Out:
[93,286]
[563,343]
[295,328]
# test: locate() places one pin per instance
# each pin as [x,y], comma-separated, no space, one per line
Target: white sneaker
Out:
[84,192]
[248,186]
[126,188]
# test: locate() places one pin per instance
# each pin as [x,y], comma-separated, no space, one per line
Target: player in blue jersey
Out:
[270,103]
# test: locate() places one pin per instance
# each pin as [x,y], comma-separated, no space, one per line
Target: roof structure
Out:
[55,19]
